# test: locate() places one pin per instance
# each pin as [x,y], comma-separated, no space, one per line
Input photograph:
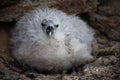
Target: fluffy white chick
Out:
[50,40]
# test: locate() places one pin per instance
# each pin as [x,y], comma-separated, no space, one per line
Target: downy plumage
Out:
[51,40]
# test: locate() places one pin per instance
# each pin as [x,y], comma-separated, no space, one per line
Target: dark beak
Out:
[49,31]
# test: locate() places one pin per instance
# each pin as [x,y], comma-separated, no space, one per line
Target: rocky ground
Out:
[102,15]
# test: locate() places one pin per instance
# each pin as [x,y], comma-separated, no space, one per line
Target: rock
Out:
[76,6]
[103,73]
[109,26]
[107,19]
[104,68]
[104,47]
[2,65]
[107,60]
[14,12]
[45,77]
[4,40]
[109,7]
[5,3]
[104,16]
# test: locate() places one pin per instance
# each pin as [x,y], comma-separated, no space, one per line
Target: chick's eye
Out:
[42,24]
[57,26]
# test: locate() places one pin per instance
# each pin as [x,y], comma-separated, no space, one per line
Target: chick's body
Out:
[69,45]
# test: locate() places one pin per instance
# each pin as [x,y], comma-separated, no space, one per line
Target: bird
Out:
[51,40]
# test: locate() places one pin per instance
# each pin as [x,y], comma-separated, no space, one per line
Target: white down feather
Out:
[69,46]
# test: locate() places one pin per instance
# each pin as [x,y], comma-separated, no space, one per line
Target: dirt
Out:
[9,12]
[102,15]
[106,65]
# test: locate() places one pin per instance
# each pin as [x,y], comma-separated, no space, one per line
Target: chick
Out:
[51,40]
